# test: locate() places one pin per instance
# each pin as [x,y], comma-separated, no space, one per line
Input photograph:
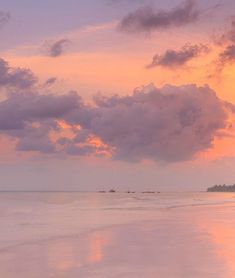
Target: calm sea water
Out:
[117,235]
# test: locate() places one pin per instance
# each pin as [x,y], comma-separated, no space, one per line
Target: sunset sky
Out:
[124,94]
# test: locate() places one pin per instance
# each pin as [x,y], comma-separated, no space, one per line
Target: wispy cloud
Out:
[228,36]
[227,43]
[124,1]
[4,18]
[227,56]
[177,58]
[57,48]
[147,19]
[50,81]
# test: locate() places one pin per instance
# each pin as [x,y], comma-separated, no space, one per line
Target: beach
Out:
[117,235]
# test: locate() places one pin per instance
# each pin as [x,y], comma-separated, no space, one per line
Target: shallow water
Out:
[117,235]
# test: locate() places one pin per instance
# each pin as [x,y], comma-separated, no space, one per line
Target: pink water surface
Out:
[117,235]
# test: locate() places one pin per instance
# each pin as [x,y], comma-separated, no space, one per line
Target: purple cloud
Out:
[30,117]
[227,42]
[57,48]
[21,108]
[51,81]
[228,55]
[169,124]
[228,36]
[146,19]
[4,18]
[123,1]
[15,77]
[231,34]
[177,58]
[35,138]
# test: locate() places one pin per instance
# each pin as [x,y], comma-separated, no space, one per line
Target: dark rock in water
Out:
[112,191]
[222,188]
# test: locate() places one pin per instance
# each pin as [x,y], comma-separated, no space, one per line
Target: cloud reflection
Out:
[69,256]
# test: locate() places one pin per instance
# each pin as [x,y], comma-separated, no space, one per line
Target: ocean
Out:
[117,235]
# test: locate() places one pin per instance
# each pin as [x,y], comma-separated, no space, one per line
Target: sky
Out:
[125,94]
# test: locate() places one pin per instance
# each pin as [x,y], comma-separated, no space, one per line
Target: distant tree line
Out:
[222,188]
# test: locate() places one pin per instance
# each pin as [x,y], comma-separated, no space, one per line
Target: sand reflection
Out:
[62,256]
[221,231]
[69,255]
[97,242]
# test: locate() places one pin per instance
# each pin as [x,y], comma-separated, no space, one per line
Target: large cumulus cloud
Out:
[21,108]
[168,124]
[30,117]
